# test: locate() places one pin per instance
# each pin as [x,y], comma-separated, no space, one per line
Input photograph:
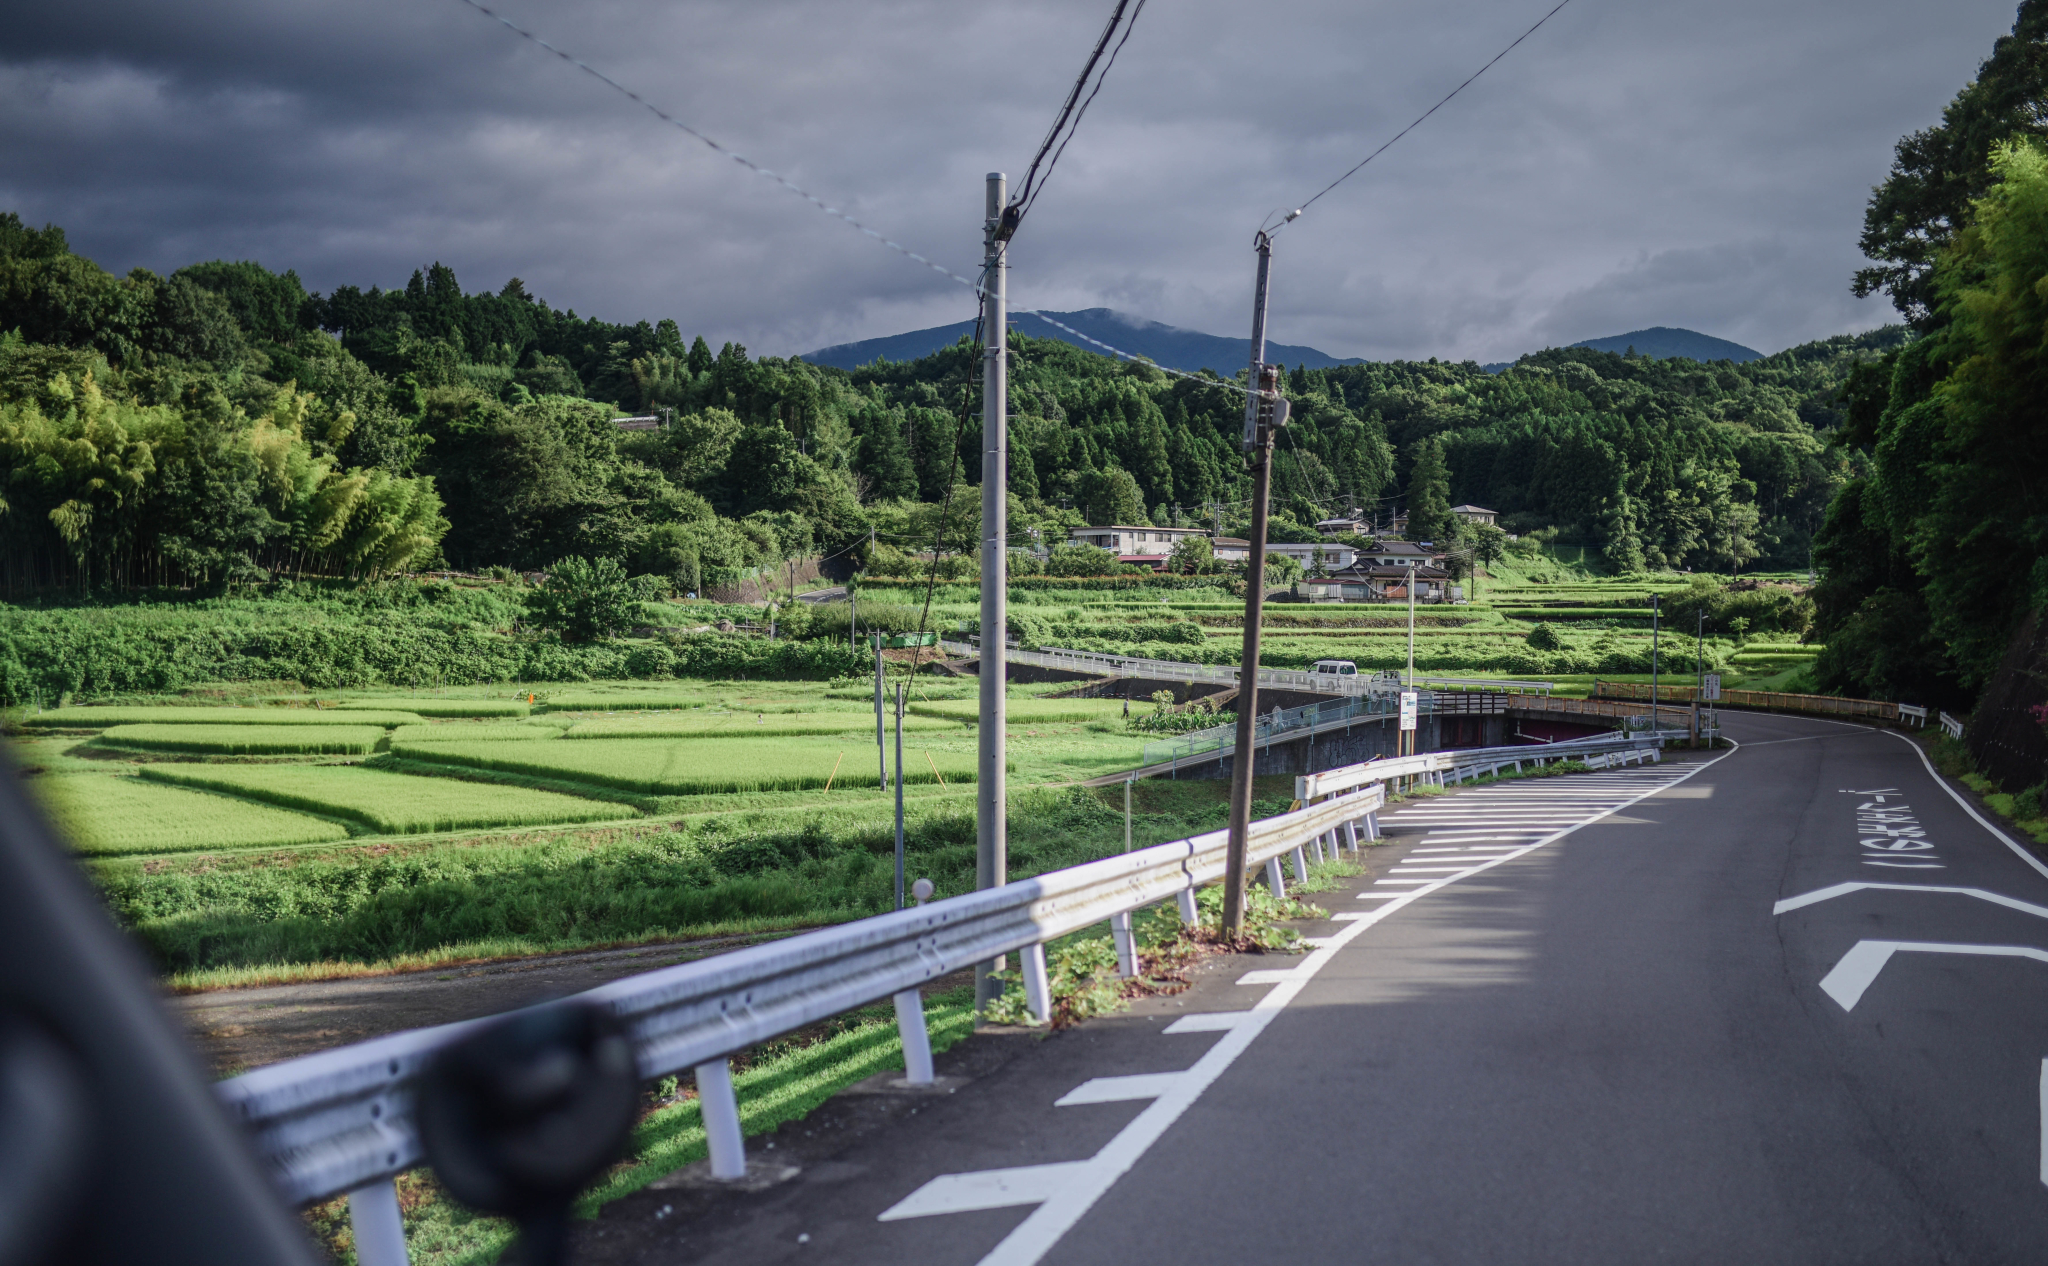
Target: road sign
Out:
[1710,689]
[1408,706]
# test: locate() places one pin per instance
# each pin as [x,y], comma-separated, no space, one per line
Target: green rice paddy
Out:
[689,768]
[1026,711]
[458,733]
[443,707]
[95,718]
[107,814]
[397,804]
[245,740]
[735,725]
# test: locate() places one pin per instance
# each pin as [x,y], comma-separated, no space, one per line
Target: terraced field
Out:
[108,815]
[245,740]
[393,803]
[740,725]
[690,768]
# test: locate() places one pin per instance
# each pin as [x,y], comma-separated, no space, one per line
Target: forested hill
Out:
[1167,345]
[221,424]
[1662,341]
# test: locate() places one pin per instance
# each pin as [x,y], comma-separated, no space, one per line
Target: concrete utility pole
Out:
[991,799]
[1653,659]
[1259,424]
[881,743]
[1413,563]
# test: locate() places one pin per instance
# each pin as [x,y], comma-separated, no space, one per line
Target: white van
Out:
[1341,667]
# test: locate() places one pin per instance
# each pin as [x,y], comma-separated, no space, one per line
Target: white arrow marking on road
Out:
[1846,983]
[1790,904]
[985,1189]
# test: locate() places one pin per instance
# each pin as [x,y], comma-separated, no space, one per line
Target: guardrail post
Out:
[1126,944]
[1037,989]
[1372,826]
[379,1230]
[1185,898]
[1301,862]
[917,1043]
[1273,880]
[721,1110]
[1351,835]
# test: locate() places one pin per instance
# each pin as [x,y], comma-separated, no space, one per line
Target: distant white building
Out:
[1341,527]
[1231,549]
[1475,514]
[1134,543]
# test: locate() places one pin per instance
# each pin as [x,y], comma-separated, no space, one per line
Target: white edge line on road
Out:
[2044,1122]
[1790,904]
[1969,808]
[1859,967]
[1036,1235]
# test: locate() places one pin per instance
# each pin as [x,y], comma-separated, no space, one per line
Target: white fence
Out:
[1951,725]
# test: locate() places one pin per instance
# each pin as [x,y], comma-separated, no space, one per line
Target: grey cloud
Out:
[1630,165]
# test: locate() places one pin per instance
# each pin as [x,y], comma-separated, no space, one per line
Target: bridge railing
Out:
[345,1121]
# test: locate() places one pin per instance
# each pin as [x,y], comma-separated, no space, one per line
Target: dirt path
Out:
[240,1029]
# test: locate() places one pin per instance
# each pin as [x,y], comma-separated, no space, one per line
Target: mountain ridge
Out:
[1192,350]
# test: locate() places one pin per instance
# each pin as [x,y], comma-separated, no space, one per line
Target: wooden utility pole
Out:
[1264,413]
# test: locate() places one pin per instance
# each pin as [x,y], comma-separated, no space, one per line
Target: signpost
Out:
[1409,707]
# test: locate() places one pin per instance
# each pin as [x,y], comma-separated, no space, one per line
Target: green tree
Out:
[1429,495]
[883,456]
[1192,556]
[586,599]
[1939,172]
[1489,546]
[1111,496]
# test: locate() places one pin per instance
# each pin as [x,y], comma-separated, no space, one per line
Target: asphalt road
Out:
[1684,1030]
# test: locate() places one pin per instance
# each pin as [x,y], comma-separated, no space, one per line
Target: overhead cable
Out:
[1419,118]
[1068,120]
[743,161]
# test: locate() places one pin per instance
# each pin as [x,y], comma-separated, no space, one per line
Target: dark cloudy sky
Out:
[1635,163]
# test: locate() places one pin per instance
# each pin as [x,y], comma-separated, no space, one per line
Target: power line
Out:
[743,161]
[1069,118]
[1419,118]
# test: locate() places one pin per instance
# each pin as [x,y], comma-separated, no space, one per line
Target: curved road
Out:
[1781,1006]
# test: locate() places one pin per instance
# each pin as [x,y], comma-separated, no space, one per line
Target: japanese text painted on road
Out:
[1889,834]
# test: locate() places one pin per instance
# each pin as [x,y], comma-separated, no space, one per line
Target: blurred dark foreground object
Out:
[518,1117]
[112,1146]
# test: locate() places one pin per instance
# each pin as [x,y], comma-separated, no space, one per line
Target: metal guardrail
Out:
[342,1121]
[1951,726]
[1276,726]
[1465,764]
[1918,716]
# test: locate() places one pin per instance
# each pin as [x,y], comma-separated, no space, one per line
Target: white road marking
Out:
[985,1189]
[1118,1089]
[1968,808]
[1859,967]
[1790,904]
[1068,1191]
[1207,1022]
[2044,1122]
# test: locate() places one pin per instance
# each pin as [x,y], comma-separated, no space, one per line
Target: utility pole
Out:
[1654,598]
[1264,413]
[1412,564]
[991,799]
[881,744]
[899,795]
